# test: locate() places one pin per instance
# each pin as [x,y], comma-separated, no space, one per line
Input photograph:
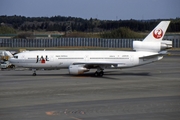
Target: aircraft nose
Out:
[12,60]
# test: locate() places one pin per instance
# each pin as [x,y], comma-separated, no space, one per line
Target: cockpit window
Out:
[15,56]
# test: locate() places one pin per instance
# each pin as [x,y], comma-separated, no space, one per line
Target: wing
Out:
[96,64]
[154,55]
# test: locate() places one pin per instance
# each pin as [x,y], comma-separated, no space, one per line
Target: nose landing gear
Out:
[34,72]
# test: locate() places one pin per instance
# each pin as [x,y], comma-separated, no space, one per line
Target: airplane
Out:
[151,49]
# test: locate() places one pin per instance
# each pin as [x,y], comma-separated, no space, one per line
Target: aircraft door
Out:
[86,58]
[132,59]
[23,58]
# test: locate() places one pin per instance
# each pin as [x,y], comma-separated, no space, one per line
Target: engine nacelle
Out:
[167,43]
[77,69]
[152,46]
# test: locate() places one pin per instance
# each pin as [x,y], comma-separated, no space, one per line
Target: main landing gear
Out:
[99,72]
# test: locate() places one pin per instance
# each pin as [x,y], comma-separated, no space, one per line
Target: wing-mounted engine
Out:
[77,69]
[152,46]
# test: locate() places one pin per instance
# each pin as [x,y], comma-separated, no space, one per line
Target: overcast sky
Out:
[101,9]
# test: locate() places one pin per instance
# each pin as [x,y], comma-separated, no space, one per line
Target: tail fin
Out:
[153,42]
[158,32]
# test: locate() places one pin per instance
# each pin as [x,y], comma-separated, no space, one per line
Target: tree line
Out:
[78,27]
[61,23]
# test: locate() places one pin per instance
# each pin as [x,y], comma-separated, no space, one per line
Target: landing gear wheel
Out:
[99,74]
[34,74]
[96,74]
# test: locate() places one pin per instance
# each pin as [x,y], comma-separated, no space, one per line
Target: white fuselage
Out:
[63,59]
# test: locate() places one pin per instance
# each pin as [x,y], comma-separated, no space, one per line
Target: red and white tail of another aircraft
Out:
[151,49]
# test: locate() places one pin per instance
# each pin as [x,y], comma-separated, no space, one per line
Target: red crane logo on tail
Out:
[157,33]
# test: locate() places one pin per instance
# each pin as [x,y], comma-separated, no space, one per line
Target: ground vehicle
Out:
[6,64]
[4,57]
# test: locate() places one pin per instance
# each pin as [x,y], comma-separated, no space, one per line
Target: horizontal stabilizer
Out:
[150,56]
[154,55]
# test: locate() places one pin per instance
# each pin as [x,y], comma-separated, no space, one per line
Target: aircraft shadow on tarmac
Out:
[90,74]
[110,74]
[113,75]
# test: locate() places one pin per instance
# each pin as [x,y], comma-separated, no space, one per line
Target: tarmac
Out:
[149,92]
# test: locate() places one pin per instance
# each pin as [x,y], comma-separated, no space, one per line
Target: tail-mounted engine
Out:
[152,46]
